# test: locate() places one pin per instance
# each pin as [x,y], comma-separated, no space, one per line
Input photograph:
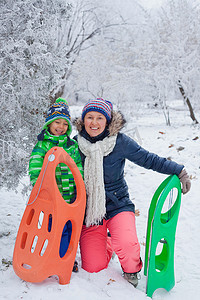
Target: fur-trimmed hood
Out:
[116,124]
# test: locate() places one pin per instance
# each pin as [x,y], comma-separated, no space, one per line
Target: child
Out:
[56,132]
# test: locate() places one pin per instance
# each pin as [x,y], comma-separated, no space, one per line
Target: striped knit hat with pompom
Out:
[100,105]
[59,110]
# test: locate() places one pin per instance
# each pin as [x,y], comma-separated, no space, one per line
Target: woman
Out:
[104,151]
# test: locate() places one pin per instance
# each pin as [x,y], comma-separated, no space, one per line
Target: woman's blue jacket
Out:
[116,188]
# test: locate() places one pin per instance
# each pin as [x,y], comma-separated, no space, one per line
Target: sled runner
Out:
[36,254]
[161,229]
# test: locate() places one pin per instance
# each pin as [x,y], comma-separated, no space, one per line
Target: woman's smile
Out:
[95,123]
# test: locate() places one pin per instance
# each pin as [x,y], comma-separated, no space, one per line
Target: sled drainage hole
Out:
[34,244]
[23,240]
[40,220]
[44,247]
[30,217]
[26,266]
[66,238]
[50,223]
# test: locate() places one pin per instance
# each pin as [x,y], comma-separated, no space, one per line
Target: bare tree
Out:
[176,46]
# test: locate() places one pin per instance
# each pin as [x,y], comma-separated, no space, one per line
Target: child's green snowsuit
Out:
[64,176]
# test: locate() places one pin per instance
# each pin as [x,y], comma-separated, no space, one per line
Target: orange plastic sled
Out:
[36,253]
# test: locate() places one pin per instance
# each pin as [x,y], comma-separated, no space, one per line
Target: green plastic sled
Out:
[161,228]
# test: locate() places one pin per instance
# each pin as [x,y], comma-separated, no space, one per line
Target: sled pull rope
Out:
[50,159]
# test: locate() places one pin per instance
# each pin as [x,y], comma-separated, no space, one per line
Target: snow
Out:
[148,127]
[150,3]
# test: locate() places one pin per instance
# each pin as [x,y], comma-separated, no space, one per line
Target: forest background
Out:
[79,49]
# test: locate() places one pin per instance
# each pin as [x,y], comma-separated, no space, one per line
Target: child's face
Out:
[58,127]
[95,123]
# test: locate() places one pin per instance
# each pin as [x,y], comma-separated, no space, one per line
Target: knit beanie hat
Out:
[100,105]
[59,110]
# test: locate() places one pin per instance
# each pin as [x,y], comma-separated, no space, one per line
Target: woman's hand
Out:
[185,180]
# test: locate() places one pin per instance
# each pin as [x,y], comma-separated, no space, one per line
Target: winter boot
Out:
[132,278]
[75,267]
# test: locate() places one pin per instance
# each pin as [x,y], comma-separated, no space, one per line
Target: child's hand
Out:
[137,212]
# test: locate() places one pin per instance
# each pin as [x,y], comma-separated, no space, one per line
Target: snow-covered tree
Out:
[151,58]
[40,41]
[109,69]
[176,53]
[27,74]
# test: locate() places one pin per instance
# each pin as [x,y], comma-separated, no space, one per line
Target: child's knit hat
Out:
[100,105]
[59,110]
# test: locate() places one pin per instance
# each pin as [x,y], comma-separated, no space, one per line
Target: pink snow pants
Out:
[97,248]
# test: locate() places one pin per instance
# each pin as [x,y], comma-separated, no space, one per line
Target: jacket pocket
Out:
[117,198]
[121,192]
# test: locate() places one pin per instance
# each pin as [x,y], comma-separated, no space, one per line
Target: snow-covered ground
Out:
[181,142]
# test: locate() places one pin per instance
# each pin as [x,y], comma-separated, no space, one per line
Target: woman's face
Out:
[95,123]
[58,127]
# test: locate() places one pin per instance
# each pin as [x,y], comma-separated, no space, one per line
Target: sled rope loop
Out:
[50,157]
[36,253]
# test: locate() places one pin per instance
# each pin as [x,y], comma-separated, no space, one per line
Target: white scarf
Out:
[94,176]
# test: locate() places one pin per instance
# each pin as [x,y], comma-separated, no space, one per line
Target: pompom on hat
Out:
[100,105]
[59,110]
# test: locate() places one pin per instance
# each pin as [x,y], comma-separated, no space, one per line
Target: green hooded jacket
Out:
[64,177]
